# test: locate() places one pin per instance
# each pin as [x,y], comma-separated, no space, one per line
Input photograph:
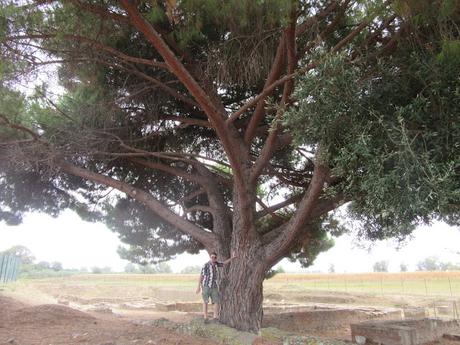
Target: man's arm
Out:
[229,259]
[200,279]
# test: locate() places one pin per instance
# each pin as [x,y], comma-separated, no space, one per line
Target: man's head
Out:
[213,256]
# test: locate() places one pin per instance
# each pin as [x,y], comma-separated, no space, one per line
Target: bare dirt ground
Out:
[54,324]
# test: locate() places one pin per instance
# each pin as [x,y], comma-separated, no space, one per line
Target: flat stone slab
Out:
[452,336]
[403,332]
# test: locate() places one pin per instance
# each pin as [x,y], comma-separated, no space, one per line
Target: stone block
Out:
[405,332]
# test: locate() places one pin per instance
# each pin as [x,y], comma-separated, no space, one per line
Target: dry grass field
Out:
[411,283]
[391,289]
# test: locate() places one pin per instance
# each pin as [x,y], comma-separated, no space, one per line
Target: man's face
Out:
[214,258]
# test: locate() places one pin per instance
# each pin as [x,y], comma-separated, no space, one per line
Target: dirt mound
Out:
[22,324]
[49,314]
[8,304]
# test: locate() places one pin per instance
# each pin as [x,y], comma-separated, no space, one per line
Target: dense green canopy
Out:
[387,126]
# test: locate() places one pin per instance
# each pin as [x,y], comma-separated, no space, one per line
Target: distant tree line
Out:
[32,269]
[42,269]
[432,263]
[160,268]
[381,266]
[191,270]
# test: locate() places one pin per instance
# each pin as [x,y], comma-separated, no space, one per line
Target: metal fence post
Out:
[9,267]
[2,267]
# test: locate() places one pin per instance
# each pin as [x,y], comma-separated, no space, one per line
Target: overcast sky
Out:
[78,244]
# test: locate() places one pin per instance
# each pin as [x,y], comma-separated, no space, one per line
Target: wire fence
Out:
[434,294]
[442,284]
[9,268]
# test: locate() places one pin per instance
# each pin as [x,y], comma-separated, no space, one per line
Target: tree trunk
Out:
[241,291]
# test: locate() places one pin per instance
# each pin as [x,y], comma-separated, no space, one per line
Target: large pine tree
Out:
[231,126]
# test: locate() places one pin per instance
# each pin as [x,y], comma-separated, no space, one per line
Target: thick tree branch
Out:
[276,207]
[221,214]
[200,235]
[270,144]
[291,52]
[170,170]
[268,149]
[6,122]
[172,92]
[232,142]
[208,181]
[267,210]
[187,121]
[202,208]
[275,73]
[216,117]
[305,209]
[206,238]
[191,196]
[286,47]
[322,207]
[175,156]
[265,92]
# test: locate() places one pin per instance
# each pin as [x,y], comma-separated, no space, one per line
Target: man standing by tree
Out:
[207,283]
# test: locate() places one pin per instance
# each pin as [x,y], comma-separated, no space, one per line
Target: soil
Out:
[54,324]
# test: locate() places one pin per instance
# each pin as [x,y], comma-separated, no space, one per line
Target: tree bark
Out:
[242,291]
[241,282]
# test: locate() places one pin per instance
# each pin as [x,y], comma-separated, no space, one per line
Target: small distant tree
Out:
[403,267]
[131,268]
[449,266]
[162,267]
[43,265]
[96,270]
[274,272]
[147,269]
[433,263]
[429,264]
[159,268]
[101,270]
[191,269]
[381,266]
[56,266]
[27,258]
[106,269]
[331,268]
